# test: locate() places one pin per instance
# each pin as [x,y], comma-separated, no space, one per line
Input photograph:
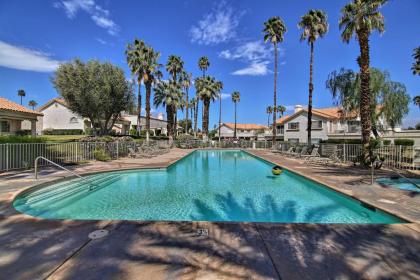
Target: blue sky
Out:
[35,36]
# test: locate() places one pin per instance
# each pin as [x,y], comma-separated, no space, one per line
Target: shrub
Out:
[342,141]
[133,132]
[101,155]
[387,142]
[63,132]
[23,132]
[184,137]
[21,139]
[404,142]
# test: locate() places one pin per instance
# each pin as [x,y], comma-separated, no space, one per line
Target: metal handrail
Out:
[62,167]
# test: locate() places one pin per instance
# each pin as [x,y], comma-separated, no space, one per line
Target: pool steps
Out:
[68,189]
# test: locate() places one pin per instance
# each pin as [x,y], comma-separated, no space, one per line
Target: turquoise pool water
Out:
[208,185]
[400,183]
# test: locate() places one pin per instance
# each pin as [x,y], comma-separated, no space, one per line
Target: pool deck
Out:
[32,248]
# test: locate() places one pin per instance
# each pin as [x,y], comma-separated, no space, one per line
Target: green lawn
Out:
[62,138]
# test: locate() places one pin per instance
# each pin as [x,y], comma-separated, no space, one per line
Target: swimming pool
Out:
[400,183]
[207,185]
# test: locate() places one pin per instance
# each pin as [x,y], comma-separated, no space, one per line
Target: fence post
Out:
[344,152]
[7,156]
[118,149]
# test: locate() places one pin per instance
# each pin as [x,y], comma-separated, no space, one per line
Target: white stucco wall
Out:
[57,116]
[302,133]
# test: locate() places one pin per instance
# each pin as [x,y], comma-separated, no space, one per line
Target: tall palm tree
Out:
[168,94]
[203,64]
[32,104]
[135,53]
[416,64]
[236,97]
[416,100]
[175,66]
[274,30]
[22,94]
[186,84]
[194,113]
[152,74]
[269,111]
[359,19]
[279,109]
[314,25]
[208,89]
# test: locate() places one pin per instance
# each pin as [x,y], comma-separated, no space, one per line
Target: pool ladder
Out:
[91,185]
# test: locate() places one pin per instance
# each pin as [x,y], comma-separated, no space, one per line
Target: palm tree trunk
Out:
[275,94]
[169,125]
[175,121]
[234,132]
[206,107]
[220,114]
[139,108]
[195,119]
[148,93]
[311,89]
[186,109]
[268,120]
[365,96]
[21,99]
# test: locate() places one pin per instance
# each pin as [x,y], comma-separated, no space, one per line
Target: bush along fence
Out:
[22,155]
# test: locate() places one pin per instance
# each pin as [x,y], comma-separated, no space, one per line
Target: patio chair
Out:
[314,153]
[294,153]
[303,152]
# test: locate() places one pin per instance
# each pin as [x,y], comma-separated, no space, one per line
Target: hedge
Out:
[21,139]
[63,132]
[342,141]
[404,142]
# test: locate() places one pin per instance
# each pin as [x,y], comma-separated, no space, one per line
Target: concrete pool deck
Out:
[32,248]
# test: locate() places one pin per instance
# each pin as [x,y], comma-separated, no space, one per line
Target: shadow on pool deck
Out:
[167,250]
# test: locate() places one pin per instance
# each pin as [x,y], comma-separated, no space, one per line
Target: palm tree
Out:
[152,74]
[269,111]
[274,30]
[208,88]
[236,97]
[314,25]
[194,113]
[135,59]
[360,18]
[175,66]
[416,64]
[416,100]
[168,94]
[203,64]
[279,109]
[33,104]
[22,94]
[186,83]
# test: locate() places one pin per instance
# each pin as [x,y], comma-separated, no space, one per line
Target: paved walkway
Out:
[32,248]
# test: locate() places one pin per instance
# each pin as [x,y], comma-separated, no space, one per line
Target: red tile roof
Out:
[6,104]
[245,126]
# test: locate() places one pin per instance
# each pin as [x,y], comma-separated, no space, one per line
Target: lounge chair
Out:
[303,152]
[314,153]
[295,152]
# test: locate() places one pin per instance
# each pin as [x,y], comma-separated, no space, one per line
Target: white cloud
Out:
[98,15]
[103,42]
[26,59]
[256,68]
[249,51]
[216,27]
[255,53]
[225,95]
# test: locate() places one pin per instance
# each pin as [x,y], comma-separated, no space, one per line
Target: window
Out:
[4,126]
[316,124]
[293,126]
[73,120]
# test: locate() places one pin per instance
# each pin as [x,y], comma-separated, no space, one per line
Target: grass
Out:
[62,138]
